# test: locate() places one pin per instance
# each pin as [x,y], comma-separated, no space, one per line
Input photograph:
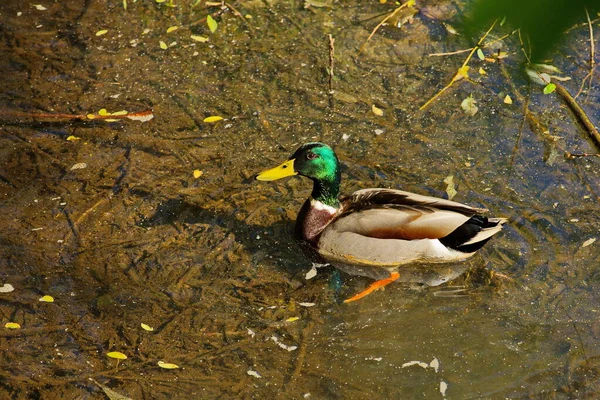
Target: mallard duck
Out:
[379,228]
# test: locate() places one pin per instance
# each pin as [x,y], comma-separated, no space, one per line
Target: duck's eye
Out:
[311,156]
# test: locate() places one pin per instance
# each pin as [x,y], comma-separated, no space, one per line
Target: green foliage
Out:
[542,21]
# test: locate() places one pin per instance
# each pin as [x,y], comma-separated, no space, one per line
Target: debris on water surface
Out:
[12,325]
[468,106]
[79,166]
[443,388]
[6,288]
[165,365]
[46,299]
[254,373]
[451,187]
[588,242]
[117,355]
[213,118]
[146,327]
[283,345]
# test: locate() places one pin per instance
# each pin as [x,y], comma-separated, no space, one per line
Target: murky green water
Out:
[210,262]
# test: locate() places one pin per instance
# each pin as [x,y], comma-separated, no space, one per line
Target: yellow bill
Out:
[281,171]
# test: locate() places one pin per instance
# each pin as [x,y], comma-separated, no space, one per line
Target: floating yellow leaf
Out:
[376,110]
[482,71]
[163,45]
[160,1]
[73,138]
[199,38]
[212,24]
[213,118]
[122,112]
[103,112]
[165,365]
[90,116]
[172,29]
[47,299]
[507,100]
[463,72]
[292,319]
[480,54]
[146,327]
[102,32]
[197,173]
[451,188]
[117,354]
[12,325]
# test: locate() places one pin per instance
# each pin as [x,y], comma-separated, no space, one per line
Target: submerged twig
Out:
[578,111]
[396,11]
[580,155]
[331,58]
[462,71]
[142,116]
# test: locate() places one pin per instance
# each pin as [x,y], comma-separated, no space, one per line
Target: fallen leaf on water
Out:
[435,364]
[12,325]
[147,328]
[443,388]
[39,7]
[117,354]
[376,110]
[212,24]
[254,373]
[172,29]
[588,242]
[482,71]
[311,273]
[163,45]
[480,54]
[419,363]
[469,107]
[462,73]
[165,365]
[507,100]
[450,189]
[78,166]
[292,319]
[6,288]
[306,304]
[199,38]
[197,173]
[46,299]
[283,345]
[102,32]
[549,88]
[213,118]
[73,138]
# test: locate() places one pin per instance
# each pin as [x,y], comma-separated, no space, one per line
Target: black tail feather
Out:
[467,231]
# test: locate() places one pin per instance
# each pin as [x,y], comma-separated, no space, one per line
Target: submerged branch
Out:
[578,111]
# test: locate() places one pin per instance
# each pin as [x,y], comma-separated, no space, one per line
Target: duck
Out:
[380,229]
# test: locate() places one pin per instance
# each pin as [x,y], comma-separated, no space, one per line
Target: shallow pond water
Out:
[208,260]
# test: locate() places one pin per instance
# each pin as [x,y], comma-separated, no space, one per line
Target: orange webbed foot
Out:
[374,286]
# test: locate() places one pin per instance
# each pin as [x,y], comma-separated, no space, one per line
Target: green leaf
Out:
[212,24]
[549,88]
[480,54]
